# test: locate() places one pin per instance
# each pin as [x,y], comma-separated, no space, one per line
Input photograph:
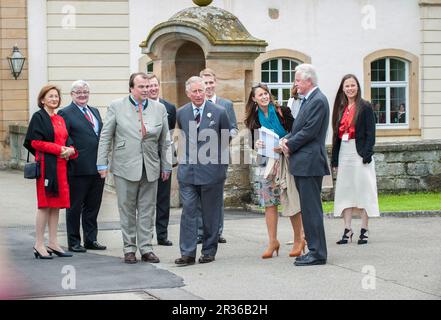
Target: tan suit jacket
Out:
[122,127]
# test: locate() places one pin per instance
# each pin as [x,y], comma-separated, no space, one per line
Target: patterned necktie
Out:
[143,129]
[197,117]
[88,116]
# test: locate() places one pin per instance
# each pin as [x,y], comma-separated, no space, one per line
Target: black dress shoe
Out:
[309,261]
[222,240]
[165,242]
[94,246]
[150,257]
[185,261]
[206,259]
[77,248]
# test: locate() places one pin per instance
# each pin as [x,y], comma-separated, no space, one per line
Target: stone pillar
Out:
[430,67]
[13,93]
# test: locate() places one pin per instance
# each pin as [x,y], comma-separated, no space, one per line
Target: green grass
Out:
[402,202]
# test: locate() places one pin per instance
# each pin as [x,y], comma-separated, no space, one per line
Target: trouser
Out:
[210,198]
[137,204]
[86,193]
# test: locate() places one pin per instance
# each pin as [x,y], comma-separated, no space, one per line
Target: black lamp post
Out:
[16,62]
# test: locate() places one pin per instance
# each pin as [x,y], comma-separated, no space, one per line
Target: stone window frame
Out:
[413,128]
[278,54]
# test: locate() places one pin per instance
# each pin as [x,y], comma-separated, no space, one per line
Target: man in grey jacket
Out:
[203,158]
[210,81]
[137,127]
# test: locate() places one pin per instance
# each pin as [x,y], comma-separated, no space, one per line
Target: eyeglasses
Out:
[84,93]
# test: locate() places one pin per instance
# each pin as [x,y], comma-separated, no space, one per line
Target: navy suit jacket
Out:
[215,148]
[84,139]
[306,142]
[171,113]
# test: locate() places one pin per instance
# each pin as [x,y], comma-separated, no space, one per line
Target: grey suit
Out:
[136,164]
[308,164]
[228,105]
[202,180]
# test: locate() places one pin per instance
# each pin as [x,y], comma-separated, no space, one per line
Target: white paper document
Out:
[271,141]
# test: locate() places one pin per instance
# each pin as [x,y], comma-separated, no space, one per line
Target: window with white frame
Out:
[390,92]
[278,74]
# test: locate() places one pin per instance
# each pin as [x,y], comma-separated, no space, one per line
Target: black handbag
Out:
[31,169]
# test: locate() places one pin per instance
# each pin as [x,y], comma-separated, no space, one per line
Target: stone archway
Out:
[190,60]
[199,37]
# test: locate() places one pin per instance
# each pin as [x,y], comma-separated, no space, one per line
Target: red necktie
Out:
[88,116]
[143,129]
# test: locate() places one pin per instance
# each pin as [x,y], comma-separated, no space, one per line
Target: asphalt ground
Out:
[401,261]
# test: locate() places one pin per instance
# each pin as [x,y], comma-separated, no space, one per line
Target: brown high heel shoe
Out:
[297,249]
[270,251]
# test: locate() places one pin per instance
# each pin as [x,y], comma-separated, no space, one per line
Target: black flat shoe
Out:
[309,261]
[94,246]
[222,240]
[38,255]
[165,242]
[77,248]
[206,259]
[185,261]
[59,253]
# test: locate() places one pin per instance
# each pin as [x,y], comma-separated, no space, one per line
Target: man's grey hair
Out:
[192,80]
[307,72]
[79,84]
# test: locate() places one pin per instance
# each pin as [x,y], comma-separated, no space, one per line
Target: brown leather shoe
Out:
[185,261]
[150,257]
[130,258]
[206,259]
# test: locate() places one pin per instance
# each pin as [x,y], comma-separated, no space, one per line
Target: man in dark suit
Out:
[210,80]
[203,158]
[164,187]
[84,125]
[308,163]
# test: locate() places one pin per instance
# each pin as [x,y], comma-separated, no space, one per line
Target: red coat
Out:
[42,147]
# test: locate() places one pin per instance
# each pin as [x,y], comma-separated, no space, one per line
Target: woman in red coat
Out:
[47,140]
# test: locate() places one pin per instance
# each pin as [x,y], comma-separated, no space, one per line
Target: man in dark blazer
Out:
[164,187]
[210,80]
[308,163]
[203,158]
[84,125]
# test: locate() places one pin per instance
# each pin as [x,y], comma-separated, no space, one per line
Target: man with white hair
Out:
[305,146]
[83,124]
[205,130]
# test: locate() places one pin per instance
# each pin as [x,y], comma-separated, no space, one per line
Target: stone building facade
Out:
[103,41]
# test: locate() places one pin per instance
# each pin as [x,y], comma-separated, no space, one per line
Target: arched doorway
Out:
[190,60]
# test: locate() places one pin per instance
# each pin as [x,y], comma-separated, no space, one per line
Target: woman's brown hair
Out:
[341,101]
[43,93]
[251,114]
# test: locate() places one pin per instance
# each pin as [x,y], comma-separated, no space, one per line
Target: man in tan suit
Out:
[137,127]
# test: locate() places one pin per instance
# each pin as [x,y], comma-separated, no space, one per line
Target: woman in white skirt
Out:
[353,123]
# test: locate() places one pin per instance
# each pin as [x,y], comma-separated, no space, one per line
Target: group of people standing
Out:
[76,150]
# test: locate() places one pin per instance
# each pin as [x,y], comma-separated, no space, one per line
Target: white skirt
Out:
[356,184]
